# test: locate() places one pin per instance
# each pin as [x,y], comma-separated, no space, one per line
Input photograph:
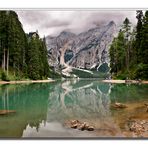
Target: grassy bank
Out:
[12,78]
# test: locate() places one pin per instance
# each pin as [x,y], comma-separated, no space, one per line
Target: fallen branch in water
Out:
[5,112]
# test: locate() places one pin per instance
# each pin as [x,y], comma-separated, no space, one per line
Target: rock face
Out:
[86,50]
[54,45]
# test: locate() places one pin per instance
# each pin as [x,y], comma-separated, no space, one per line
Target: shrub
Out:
[142,71]
[4,76]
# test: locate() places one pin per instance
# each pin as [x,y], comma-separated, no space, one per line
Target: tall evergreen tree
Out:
[3,37]
[144,39]
[139,17]
[132,50]
[127,34]
[13,41]
[27,56]
[38,67]
[117,53]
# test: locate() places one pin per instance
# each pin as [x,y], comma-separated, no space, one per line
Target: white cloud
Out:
[53,22]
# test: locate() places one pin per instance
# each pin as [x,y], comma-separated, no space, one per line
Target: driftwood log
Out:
[6,112]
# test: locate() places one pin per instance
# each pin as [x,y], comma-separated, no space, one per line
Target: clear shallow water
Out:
[42,109]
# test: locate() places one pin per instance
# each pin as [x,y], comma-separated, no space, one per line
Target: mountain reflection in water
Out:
[42,109]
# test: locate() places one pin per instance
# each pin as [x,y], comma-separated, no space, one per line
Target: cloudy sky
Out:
[53,22]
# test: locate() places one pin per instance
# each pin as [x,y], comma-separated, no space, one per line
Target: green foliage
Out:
[142,71]
[129,51]
[117,53]
[26,55]
[38,67]
[13,39]
[121,76]
[4,76]
[144,40]
[12,76]
[138,35]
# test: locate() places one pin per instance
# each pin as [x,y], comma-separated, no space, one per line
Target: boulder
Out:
[80,125]
[90,128]
[74,125]
[86,125]
[74,122]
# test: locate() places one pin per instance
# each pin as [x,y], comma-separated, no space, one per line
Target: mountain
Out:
[54,44]
[87,50]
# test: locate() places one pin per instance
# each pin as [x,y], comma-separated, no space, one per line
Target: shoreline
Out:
[124,81]
[26,81]
[51,80]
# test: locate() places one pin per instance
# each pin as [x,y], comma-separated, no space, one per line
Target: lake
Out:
[42,109]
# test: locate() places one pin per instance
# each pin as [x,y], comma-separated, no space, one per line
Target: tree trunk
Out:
[127,58]
[4,61]
[7,61]
[127,54]
[14,68]
[127,64]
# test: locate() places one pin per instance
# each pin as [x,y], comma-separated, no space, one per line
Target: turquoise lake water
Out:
[42,109]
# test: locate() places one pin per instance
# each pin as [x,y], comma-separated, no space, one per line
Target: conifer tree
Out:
[127,35]
[27,56]
[139,17]
[131,48]
[144,39]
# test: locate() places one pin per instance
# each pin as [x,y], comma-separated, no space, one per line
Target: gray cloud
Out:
[53,22]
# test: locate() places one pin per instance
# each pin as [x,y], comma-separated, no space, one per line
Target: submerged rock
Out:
[74,123]
[90,128]
[119,105]
[82,127]
[74,126]
[139,127]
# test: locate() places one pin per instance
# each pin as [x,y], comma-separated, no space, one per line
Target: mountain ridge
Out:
[86,50]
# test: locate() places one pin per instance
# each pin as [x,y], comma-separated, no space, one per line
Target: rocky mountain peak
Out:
[111,23]
[87,50]
[66,33]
